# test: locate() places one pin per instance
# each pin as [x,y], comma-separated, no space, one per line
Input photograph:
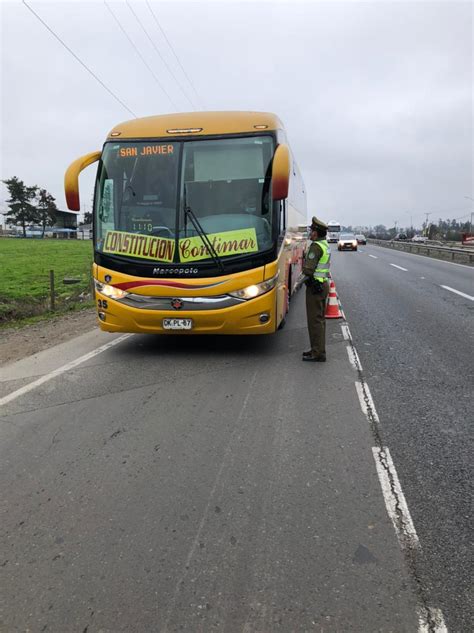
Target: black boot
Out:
[321,358]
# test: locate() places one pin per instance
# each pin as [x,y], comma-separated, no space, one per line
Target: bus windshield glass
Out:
[144,188]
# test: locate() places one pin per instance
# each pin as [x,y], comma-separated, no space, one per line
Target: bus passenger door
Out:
[284,267]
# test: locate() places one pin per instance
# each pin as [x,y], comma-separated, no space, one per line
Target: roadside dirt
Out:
[17,343]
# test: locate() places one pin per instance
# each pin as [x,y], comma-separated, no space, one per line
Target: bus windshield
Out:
[143,189]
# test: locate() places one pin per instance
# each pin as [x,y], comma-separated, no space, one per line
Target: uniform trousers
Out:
[315,311]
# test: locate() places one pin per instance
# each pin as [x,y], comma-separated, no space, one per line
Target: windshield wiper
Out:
[188,212]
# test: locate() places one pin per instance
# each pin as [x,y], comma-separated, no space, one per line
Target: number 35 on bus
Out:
[195,224]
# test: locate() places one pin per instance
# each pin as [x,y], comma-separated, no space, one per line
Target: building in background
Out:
[65,227]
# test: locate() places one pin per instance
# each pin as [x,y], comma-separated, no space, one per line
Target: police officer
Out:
[316,271]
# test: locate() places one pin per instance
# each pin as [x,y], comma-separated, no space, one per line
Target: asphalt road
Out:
[415,341]
[203,484]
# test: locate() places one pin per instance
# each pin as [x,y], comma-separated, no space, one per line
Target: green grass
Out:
[24,279]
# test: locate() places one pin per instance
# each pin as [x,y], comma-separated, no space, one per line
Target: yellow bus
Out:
[194,222]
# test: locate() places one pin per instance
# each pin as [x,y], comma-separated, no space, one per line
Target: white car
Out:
[347,242]
[419,238]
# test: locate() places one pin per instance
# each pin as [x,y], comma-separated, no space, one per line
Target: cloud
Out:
[376,97]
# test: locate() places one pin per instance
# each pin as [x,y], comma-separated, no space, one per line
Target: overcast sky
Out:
[376,96]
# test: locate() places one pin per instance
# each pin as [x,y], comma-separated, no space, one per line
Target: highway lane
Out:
[415,342]
[196,484]
[435,271]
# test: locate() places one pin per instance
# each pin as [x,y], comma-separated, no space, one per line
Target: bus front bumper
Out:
[255,316]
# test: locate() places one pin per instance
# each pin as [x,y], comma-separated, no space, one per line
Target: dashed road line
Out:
[432,259]
[354,358]
[399,267]
[373,256]
[346,333]
[458,292]
[366,402]
[61,370]
[394,498]
[431,620]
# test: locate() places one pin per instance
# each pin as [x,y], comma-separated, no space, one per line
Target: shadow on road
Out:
[171,345]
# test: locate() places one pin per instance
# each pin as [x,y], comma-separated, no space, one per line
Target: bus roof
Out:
[205,123]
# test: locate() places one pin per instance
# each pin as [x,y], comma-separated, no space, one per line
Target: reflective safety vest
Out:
[321,272]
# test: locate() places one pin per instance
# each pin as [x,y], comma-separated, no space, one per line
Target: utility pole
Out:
[426,223]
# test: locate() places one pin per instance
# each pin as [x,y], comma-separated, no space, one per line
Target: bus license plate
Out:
[177,324]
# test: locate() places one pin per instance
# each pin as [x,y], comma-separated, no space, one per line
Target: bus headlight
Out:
[255,290]
[110,291]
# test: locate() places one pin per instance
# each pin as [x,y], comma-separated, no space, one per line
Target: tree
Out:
[380,231]
[87,217]
[21,210]
[45,209]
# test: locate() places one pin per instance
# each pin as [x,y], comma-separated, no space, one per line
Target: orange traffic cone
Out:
[333,311]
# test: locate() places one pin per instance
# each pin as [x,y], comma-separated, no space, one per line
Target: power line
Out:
[79,60]
[173,51]
[140,55]
[158,52]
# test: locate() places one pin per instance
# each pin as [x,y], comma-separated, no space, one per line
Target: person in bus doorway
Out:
[316,271]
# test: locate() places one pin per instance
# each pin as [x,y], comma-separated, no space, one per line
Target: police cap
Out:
[317,224]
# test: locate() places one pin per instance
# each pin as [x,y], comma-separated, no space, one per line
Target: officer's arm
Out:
[311,261]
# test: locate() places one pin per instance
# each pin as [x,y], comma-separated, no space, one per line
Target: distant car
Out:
[419,238]
[400,237]
[361,239]
[347,242]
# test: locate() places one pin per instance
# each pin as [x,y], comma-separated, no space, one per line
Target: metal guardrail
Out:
[459,255]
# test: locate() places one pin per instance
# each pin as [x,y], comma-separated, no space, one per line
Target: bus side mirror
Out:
[71,179]
[281,172]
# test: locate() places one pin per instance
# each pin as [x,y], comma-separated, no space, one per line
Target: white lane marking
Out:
[433,259]
[431,617]
[373,256]
[394,498]
[399,267]
[346,333]
[354,358]
[366,402]
[422,277]
[61,370]
[458,292]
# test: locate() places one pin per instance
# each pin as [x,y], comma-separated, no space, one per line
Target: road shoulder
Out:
[18,343]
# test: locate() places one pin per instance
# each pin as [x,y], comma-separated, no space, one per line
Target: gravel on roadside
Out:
[17,343]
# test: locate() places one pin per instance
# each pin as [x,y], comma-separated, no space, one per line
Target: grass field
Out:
[24,279]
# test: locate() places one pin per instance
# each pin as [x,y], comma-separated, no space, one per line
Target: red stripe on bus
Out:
[126,285]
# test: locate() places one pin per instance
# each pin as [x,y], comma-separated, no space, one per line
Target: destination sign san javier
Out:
[146,150]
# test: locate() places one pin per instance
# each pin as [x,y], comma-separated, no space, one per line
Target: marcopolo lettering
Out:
[175,271]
